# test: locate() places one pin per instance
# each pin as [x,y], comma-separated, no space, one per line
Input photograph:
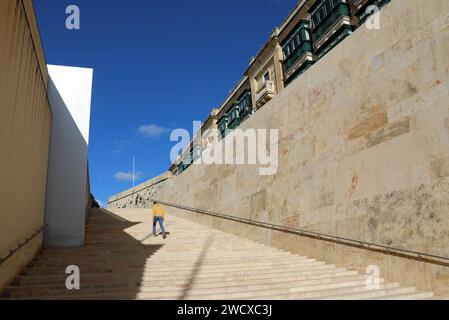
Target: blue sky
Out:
[158,65]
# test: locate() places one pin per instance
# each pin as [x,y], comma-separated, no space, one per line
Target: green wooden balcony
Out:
[238,113]
[234,117]
[359,8]
[223,126]
[297,51]
[331,24]
[246,106]
[180,168]
[187,161]
[196,153]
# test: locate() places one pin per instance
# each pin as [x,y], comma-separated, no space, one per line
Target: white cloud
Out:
[152,131]
[128,176]
[120,145]
[101,204]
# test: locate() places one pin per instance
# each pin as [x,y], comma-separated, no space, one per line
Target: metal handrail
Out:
[28,239]
[410,254]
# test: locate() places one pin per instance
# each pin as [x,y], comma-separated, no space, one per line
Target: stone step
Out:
[121,260]
[237,275]
[161,266]
[192,289]
[167,259]
[120,249]
[198,283]
[369,294]
[161,263]
[167,271]
[173,255]
[403,296]
[339,291]
[190,255]
[310,291]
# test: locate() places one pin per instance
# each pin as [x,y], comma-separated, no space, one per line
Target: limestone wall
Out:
[140,196]
[363,152]
[25,121]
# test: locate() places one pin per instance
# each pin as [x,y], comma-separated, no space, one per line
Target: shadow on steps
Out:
[112,261]
[197,267]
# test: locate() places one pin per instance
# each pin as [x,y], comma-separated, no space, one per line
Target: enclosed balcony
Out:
[223,126]
[234,117]
[298,52]
[331,23]
[360,8]
[187,161]
[265,92]
[236,114]
[196,153]
[180,168]
[246,106]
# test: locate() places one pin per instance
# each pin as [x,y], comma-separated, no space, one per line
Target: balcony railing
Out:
[266,92]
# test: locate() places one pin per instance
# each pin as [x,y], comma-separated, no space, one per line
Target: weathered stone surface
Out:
[393,130]
[440,168]
[374,122]
[363,152]
[140,196]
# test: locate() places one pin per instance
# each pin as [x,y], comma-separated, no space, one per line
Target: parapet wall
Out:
[140,196]
[25,123]
[363,152]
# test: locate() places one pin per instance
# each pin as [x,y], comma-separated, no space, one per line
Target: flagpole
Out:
[134,170]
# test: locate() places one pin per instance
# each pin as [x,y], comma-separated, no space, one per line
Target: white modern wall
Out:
[69,92]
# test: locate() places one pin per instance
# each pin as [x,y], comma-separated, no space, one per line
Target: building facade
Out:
[25,125]
[311,30]
[236,109]
[43,150]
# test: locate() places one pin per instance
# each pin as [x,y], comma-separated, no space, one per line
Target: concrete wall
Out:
[140,196]
[363,152]
[25,122]
[66,199]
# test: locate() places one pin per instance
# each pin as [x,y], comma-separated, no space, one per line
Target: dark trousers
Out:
[161,224]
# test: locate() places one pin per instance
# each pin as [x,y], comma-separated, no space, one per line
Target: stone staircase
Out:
[122,261]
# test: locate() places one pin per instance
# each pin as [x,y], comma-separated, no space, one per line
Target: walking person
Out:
[158,216]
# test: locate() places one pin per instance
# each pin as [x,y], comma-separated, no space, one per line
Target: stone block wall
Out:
[363,152]
[140,196]
[25,122]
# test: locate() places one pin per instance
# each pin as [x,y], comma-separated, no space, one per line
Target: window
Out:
[329,6]
[323,13]
[222,125]
[287,52]
[335,2]
[266,76]
[234,113]
[316,19]
[298,39]
[306,36]
[187,160]
[196,153]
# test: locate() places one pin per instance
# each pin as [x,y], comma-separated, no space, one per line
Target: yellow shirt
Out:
[158,211]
